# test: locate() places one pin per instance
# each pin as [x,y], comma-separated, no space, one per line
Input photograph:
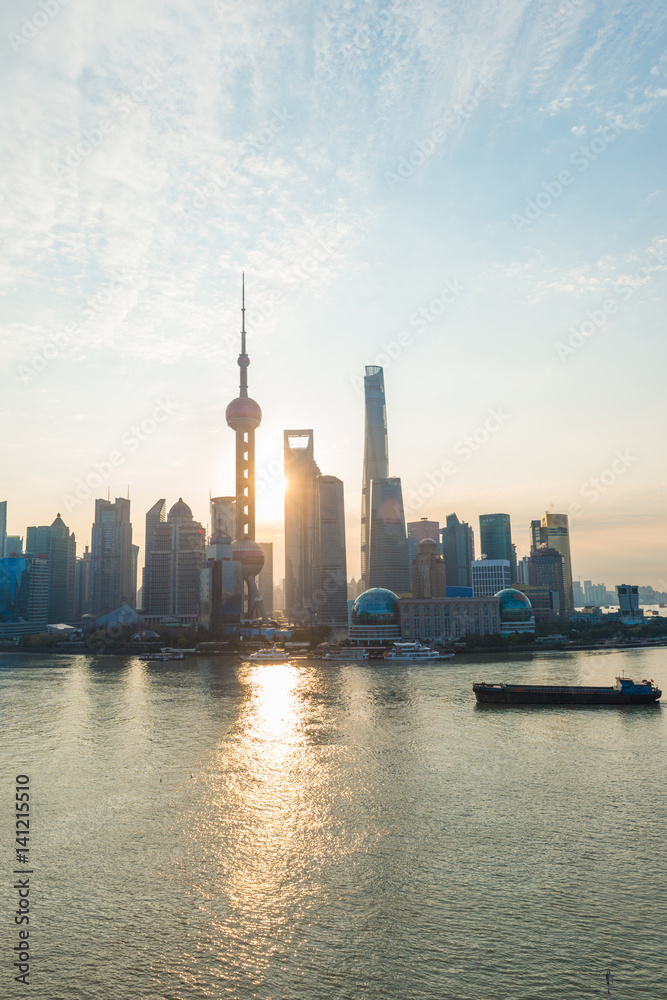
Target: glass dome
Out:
[376,607]
[514,606]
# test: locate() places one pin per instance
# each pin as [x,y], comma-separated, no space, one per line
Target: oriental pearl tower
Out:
[243,415]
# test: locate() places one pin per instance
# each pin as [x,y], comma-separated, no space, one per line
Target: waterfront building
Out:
[495,537]
[446,619]
[375,618]
[330,596]
[83,586]
[516,612]
[458,550]
[244,416]
[420,530]
[265,578]
[428,571]
[546,568]
[628,600]
[388,566]
[490,575]
[220,579]
[376,457]
[544,602]
[155,516]
[24,595]
[177,552]
[301,473]
[111,555]
[55,543]
[554,532]
[3,529]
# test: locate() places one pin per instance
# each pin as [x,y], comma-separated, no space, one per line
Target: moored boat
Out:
[268,656]
[410,652]
[624,692]
[353,653]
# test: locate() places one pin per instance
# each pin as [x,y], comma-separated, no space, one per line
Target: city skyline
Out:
[489,238]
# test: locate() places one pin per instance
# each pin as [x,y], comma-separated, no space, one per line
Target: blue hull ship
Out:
[624,692]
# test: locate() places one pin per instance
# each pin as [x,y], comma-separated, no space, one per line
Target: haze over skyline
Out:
[473,199]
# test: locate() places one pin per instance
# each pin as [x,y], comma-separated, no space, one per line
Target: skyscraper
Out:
[490,576]
[244,416]
[388,565]
[495,536]
[419,531]
[83,584]
[111,555]
[458,549]
[555,532]
[177,553]
[223,517]
[155,516]
[301,472]
[55,543]
[330,596]
[376,457]
[546,568]
[428,571]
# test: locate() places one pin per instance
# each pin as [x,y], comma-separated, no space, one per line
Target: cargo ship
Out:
[624,692]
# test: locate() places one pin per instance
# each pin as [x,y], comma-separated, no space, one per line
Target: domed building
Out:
[375,617]
[176,554]
[516,612]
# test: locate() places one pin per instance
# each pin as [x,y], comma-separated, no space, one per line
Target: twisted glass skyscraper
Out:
[376,458]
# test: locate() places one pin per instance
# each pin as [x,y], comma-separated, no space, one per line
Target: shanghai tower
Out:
[244,415]
[376,459]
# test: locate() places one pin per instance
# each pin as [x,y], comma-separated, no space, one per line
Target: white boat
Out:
[268,656]
[410,652]
[346,654]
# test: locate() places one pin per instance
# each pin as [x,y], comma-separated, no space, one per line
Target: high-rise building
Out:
[330,595]
[578,594]
[522,575]
[223,517]
[555,533]
[628,600]
[490,576]
[24,594]
[3,529]
[265,579]
[537,536]
[155,516]
[546,569]
[221,577]
[428,571]
[388,566]
[111,555]
[177,553]
[458,549]
[495,537]
[244,416]
[55,543]
[301,472]
[83,584]
[14,545]
[419,531]
[376,457]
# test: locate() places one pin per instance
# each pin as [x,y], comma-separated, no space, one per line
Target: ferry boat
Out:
[410,652]
[268,656]
[353,653]
[624,692]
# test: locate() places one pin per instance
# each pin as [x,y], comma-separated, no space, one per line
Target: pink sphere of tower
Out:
[243,413]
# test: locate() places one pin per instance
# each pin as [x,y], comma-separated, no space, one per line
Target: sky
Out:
[470,195]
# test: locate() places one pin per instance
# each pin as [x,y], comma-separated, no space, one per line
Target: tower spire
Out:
[244,360]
